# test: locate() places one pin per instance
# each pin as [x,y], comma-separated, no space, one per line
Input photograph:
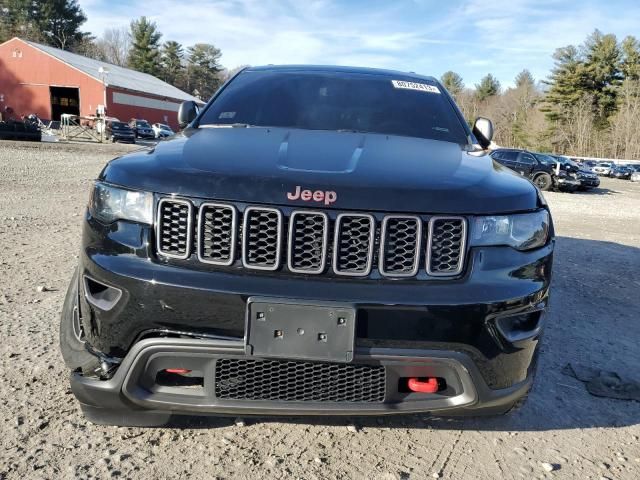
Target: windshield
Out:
[118,125]
[568,161]
[337,101]
[142,124]
[546,159]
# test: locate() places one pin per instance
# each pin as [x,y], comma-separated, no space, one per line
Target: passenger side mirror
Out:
[483,131]
[187,113]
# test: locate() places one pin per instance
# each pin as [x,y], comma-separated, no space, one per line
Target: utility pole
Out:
[104,72]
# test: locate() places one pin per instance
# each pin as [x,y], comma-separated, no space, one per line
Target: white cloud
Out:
[472,37]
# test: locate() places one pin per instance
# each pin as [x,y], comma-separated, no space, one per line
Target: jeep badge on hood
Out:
[328,197]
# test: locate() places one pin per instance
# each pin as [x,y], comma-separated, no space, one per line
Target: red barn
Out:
[47,81]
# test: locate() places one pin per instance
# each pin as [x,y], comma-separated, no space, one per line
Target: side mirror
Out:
[187,113]
[483,130]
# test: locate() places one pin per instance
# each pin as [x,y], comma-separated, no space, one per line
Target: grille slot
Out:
[298,381]
[217,233]
[308,233]
[173,230]
[447,243]
[400,245]
[353,244]
[261,241]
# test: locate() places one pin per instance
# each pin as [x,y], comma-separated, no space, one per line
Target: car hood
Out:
[366,171]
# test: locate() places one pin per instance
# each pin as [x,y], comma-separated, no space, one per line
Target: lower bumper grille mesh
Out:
[298,381]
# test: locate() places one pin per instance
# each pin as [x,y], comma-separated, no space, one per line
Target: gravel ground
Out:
[562,432]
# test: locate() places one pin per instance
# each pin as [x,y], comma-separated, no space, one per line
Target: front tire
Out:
[543,181]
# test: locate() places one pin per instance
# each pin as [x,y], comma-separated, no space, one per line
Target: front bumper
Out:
[449,326]
[124,138]
[589,182]
[133,397]
[568,184]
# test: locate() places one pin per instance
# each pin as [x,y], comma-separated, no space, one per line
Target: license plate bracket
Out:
[300,330]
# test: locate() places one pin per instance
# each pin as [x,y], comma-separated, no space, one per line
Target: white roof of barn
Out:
[117,76]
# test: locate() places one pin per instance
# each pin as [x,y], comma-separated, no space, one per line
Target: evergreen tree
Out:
[60,22]
[144,55]
[567,82]
[452,82]
[525,79]
[53,22]
[171,56]
[602,59]
[591,71]
[488,87]
[630,66]
[203,70]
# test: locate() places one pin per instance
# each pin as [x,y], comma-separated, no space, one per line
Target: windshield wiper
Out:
[351,130]
[227,125]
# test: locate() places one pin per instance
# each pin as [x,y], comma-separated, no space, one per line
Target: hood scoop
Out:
[310,156]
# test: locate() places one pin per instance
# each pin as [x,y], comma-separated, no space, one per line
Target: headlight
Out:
[108,204]
[522,231]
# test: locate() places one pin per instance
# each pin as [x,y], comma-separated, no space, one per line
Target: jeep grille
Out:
[353,244]
[312,242]
[262,234]
[307,241]
[217,234]
[400,245]
[174,223]
[446,248]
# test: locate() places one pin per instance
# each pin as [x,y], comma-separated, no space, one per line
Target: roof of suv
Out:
[342,69]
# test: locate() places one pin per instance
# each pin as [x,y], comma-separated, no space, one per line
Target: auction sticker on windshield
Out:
[422,87]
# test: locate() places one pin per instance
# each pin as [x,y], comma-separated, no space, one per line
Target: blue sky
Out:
[472,37]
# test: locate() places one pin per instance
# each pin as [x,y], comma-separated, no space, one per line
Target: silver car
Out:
[603,168]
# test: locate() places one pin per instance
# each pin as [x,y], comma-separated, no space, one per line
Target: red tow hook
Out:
[178,371]
[430,386]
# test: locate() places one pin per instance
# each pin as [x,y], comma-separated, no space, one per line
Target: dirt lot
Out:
[594,320]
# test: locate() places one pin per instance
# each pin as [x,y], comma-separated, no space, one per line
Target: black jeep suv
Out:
[539,168]
[317,240]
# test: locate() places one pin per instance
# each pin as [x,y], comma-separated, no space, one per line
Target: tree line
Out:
[195,69]
[588,106]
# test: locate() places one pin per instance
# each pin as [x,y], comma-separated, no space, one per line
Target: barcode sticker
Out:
[421,87]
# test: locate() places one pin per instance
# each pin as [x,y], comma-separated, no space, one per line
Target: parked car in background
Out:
[588,165]
[603,168]
[565,178]
[621,171]
[141,128]
[635,176]
[587,178]
[162,131]
[525,163]
[117,131]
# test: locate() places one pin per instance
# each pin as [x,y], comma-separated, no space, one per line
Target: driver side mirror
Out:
[483,131]
[187,113]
